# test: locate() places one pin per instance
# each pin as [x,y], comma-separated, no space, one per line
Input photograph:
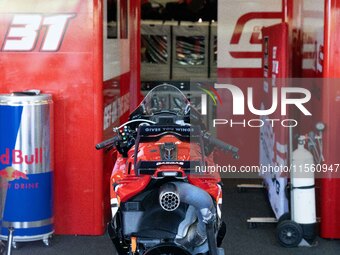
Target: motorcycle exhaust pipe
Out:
[169,197]
[172,193]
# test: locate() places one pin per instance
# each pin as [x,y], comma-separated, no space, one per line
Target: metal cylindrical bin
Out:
[26,166]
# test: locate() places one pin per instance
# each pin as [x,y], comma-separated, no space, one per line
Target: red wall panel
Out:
[314,44]
[73,74]
[330,189]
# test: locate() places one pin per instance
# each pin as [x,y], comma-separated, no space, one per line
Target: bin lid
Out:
[25,97]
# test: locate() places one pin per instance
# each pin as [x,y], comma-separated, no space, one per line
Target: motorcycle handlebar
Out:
[222,145]
[107,143]
[212,140]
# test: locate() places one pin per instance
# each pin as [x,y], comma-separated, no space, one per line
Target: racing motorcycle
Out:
[161,202]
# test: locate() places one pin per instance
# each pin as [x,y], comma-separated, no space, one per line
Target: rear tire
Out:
[221,233]
[115,237]
[166,250]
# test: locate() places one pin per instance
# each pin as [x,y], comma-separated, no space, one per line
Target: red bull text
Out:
[19,157]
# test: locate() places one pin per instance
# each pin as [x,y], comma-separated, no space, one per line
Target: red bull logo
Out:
[10,174]
[19,157]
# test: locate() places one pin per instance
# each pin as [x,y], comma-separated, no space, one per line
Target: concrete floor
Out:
[239,240]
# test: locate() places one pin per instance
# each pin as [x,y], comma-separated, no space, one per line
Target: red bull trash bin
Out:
[26,166]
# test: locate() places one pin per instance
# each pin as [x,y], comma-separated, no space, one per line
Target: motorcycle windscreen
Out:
[172,146]
[164,99]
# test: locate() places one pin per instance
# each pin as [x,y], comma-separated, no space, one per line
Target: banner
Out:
[274,140]
[239,30]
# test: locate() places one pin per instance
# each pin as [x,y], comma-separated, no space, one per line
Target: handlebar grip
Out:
[106,143]
[221,145]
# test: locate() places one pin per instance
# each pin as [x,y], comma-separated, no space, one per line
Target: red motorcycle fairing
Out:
[125,183]
[163,195]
